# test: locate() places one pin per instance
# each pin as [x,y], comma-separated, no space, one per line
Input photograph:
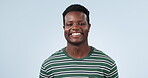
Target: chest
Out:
[77,69]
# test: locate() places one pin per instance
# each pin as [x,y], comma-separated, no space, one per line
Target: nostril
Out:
[75,27]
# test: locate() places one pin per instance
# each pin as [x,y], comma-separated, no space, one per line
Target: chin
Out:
[75,42]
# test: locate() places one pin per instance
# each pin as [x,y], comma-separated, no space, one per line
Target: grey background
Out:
[31,30]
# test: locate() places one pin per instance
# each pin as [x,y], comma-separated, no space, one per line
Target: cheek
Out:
[86,29]
[66,31]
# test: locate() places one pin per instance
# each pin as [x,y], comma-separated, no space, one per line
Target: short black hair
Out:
[76,7]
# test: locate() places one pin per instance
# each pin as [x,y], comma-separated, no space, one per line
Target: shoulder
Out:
[101,55]
[110,67]
[58,54]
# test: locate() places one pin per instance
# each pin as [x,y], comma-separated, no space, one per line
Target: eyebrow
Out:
[77,21]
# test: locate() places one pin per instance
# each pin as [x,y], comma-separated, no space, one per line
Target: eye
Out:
[69,24]
[82,24]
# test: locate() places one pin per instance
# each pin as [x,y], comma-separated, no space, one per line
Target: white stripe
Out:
[96,50]
[70,61]
[105,67]
[104,57]
[117,76]
[77,72]
[113,73]
[84,61]
[99,61]
[78,66]
[59,56]
[43,75]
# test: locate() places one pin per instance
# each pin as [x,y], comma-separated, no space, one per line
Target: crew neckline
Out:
[64,49]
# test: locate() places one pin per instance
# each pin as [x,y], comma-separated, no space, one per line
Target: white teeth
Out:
[75,33]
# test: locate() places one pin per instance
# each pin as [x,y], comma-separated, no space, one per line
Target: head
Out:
[76,24]
[76,7]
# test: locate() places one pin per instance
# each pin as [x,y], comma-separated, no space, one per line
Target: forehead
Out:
[75,15]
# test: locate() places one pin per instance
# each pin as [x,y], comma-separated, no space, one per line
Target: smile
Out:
[75,34]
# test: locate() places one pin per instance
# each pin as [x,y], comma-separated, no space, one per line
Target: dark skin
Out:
[76,29]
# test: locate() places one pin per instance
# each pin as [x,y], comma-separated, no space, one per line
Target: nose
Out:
[75,27]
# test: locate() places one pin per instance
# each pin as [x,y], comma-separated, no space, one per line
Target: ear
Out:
[64,27]
[89,25]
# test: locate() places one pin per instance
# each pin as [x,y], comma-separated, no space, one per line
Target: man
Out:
[78,59]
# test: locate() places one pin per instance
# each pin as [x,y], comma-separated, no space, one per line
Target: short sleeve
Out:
[113,73]
[43,73]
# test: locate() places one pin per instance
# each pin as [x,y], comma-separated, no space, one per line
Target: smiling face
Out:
[76,27]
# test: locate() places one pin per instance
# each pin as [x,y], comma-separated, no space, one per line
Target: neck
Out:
[78,51]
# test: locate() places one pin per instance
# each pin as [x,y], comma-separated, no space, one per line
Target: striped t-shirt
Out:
[95,65]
